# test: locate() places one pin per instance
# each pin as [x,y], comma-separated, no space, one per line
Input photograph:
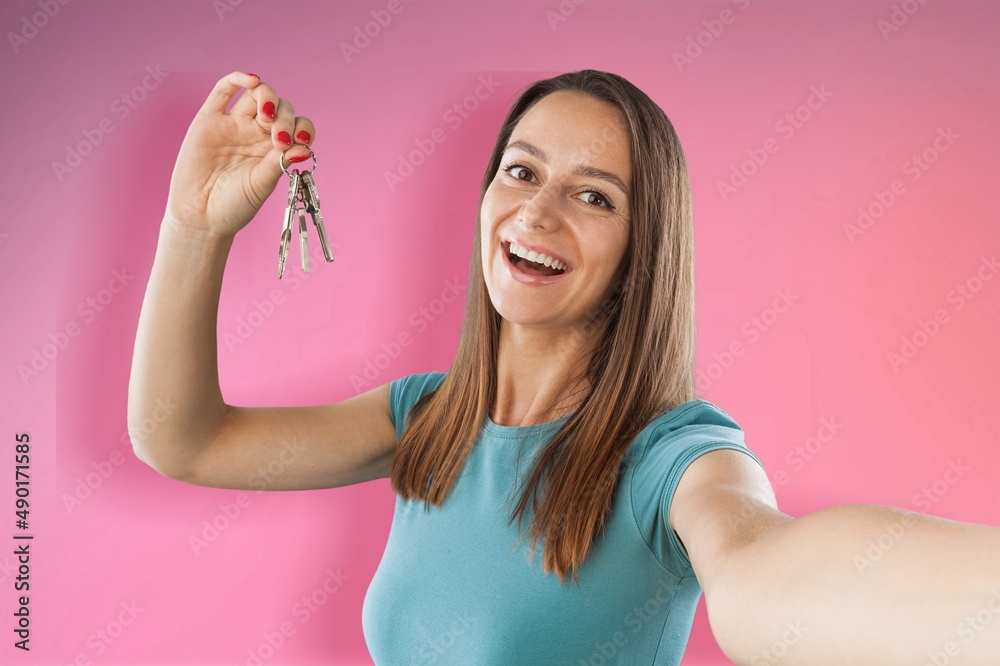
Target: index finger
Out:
[224,90]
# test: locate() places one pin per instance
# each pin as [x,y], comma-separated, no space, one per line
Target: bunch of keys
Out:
[302,199]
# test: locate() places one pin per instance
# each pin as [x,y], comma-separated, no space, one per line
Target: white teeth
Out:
[536,257]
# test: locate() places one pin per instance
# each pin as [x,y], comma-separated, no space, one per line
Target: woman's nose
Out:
[542,209]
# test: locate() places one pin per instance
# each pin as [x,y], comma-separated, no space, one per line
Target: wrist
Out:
[199,246]
[190,234]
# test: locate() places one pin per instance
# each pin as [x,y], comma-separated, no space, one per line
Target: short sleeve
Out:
[404,393]
[676,439]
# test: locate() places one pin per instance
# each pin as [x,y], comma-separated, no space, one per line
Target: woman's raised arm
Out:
[227,167]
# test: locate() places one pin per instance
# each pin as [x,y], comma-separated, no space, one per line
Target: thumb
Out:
[265,177]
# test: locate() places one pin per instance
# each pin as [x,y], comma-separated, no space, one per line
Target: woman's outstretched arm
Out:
[852,584]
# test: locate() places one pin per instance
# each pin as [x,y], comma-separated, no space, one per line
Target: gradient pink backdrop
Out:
[825,357]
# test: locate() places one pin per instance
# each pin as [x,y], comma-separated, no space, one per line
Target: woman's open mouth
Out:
[528,271]
[541,265]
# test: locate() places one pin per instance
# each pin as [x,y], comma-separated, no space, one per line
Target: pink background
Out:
[825,357]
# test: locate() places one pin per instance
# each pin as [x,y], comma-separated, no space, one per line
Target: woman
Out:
[569,405]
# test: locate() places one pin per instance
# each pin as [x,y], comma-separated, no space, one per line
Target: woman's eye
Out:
[602,201]
[514,169]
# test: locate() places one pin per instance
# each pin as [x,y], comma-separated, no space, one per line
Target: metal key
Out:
[303,237]
[294,189]
[311,197]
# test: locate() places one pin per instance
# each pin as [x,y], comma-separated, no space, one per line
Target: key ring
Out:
[281,160]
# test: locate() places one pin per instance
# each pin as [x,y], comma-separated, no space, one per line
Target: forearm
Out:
[174,397]
[861,584]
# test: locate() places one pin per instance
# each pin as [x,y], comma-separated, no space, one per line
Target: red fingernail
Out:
[298,158]
[252,74]
[303,136]
[284,137]
[268,109]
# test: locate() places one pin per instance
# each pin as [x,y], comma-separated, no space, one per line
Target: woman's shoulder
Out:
[672,442]
[418,382]
[406,390]
[691,425]
[693,413]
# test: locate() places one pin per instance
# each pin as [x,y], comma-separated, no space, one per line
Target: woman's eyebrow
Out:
[580,169]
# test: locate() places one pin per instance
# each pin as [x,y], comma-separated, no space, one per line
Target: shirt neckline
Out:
[498,429]
[521,431]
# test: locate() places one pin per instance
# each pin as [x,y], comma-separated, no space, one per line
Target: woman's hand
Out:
[229,163]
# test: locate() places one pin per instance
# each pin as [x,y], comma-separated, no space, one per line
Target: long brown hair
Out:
[643,346]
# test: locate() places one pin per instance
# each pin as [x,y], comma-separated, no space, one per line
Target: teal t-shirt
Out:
[452,589]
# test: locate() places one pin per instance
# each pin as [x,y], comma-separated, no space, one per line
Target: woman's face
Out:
[560,190]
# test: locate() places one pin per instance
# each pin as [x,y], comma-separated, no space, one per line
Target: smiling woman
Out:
[570,404]
[588,182]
